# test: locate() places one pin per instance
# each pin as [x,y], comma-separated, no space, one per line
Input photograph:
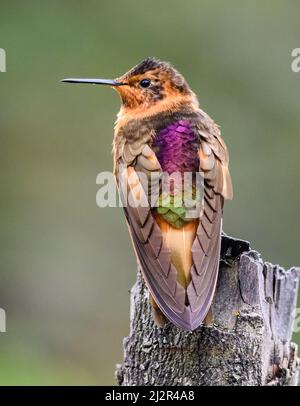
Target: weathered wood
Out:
[249,342]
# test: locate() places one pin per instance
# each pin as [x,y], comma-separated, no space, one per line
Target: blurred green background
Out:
[66,265]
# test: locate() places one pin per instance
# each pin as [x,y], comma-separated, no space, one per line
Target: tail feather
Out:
[179,241]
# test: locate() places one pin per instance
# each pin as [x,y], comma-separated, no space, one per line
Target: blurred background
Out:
[66,265]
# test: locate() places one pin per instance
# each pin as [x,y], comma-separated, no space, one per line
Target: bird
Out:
[161,137]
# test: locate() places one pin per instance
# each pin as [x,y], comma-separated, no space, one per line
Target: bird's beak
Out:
[108,82]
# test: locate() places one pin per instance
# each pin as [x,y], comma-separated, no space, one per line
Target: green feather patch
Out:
[171,210]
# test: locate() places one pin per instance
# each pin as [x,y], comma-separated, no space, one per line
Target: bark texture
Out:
[247,343]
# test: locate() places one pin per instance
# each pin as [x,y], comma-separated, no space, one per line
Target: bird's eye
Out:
[145,83]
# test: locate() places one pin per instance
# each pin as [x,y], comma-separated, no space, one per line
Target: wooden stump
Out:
[248,342]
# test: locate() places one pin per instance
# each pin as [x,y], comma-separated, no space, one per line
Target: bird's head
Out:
[151,82]
[152,85]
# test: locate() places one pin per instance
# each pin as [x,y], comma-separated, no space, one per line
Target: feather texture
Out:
[179,265]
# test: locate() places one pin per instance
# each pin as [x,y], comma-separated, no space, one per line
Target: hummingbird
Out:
[160,129]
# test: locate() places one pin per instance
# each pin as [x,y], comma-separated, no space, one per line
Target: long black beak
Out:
[109,82]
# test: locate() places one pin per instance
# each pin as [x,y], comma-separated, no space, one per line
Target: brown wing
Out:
[153,256]
[206,247]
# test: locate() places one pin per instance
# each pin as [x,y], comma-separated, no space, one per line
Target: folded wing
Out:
[186,308]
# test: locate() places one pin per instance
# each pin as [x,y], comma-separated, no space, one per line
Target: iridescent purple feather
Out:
[177,147]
